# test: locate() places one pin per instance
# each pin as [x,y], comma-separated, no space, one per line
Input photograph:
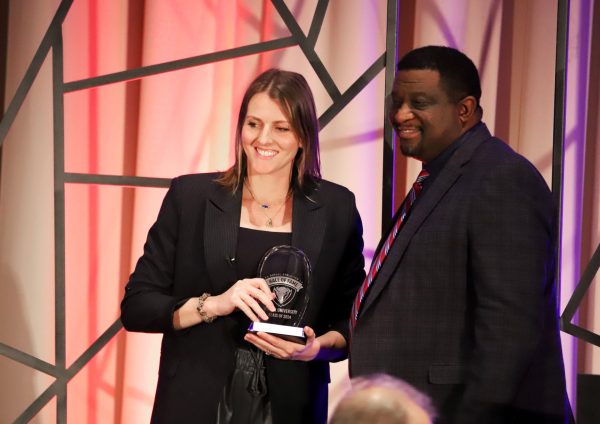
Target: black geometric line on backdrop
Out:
[307,49]
[575,302]
[33,69]
[118,180]
[176,65]
[342,101]
[53,40]
[317,23]
[60,341]
[558,141]
[28,360]
[389,165]
[59,386]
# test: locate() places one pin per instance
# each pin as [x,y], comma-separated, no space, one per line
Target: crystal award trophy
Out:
[286,270]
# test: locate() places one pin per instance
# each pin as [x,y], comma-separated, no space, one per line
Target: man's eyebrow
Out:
[412,94]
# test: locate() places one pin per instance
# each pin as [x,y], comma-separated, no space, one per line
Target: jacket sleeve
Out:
[512,265]
[350,272]
[148,303]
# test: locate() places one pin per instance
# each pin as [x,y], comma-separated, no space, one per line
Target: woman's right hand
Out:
[245,295]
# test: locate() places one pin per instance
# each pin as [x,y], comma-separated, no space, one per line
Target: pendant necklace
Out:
[265,206]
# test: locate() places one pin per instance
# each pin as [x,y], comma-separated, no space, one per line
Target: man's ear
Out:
[467,108]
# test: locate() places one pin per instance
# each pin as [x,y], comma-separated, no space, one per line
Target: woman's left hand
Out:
[283,349]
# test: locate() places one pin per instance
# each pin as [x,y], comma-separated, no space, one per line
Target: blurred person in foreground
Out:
[382,399]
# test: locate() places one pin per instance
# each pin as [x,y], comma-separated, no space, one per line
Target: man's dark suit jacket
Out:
[189,251]
[464,306]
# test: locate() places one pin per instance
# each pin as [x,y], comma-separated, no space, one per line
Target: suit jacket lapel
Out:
[443,182]
[308,225]
[221,224]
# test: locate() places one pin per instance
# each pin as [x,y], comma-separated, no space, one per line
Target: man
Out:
[463,306]
[382,399]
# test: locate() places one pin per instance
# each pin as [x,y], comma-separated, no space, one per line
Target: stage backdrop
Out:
[149,127]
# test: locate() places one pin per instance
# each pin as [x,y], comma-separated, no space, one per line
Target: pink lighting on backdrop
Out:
[183,121]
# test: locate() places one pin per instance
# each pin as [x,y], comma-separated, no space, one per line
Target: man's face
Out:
[426,121]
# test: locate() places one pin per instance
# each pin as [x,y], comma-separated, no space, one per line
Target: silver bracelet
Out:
[201,311]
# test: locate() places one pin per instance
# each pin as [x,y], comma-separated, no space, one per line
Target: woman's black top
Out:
[252,245]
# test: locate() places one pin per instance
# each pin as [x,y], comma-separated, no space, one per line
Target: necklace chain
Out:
[265,206]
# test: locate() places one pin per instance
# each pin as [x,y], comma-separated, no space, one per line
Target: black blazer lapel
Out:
[308,225]
[221,224]
[444,181]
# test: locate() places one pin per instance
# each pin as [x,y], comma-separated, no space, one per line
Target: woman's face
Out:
[268,139]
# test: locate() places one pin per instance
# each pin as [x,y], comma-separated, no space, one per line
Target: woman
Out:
[196,281]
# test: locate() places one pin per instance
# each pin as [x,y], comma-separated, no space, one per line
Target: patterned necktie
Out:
[385,248]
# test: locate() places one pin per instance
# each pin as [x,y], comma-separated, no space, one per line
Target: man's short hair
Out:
[392,404]
[458,73]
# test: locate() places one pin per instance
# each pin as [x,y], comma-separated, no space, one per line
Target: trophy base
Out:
[286,332]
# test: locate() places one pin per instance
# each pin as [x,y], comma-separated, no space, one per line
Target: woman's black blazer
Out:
[190,250]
